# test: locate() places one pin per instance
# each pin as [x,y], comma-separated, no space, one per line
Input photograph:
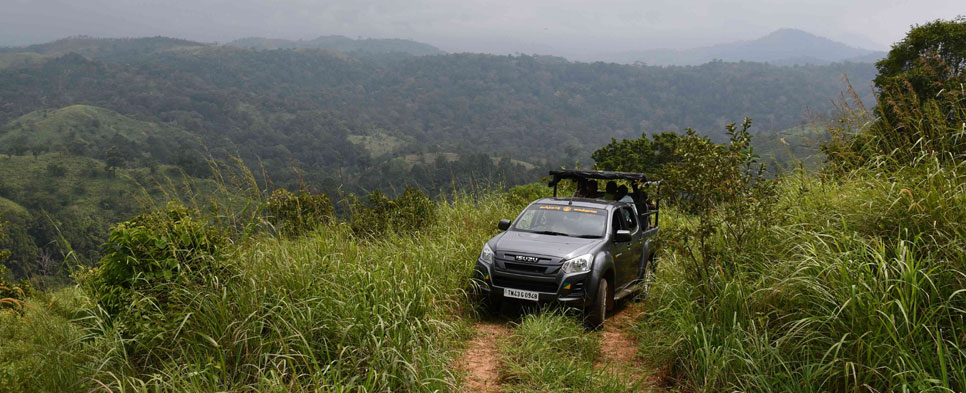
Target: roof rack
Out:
[584,174]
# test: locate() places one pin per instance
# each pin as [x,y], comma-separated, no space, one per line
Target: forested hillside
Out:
[341,122]
[851,279]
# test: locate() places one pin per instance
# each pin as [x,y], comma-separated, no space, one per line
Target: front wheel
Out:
[595,316]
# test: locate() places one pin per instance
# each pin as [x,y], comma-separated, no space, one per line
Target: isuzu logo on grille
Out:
[524,258]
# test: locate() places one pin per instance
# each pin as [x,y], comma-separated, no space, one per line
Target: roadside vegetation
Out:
[851,279]
[179,304]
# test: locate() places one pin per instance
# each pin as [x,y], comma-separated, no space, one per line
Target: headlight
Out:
[487,254]
[579,264]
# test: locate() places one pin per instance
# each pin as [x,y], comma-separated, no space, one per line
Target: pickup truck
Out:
[585,251]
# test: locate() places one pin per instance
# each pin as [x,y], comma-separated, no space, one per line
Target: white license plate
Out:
[521,294]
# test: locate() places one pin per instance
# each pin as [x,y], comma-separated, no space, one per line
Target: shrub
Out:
[522,195]
[13,296]
[725,187]
[410,212]
[152,266]
[295,214]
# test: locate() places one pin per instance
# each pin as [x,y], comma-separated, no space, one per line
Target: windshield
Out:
[563,221]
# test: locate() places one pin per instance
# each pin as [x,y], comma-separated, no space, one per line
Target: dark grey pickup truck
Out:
[585,251]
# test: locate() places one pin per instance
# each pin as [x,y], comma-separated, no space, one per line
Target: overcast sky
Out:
[567,27]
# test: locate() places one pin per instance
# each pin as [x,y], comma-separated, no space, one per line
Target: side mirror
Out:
[622,236]
[504,224]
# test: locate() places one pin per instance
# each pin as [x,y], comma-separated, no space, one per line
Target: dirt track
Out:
[481,361]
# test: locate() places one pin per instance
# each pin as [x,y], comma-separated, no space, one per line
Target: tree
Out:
[920,107]
[4,254]
[637,155]
[930,53]
[113,158]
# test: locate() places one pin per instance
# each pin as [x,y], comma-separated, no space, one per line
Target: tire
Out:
[594,317]
[491,303]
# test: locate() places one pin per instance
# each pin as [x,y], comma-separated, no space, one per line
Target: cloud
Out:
[473,25]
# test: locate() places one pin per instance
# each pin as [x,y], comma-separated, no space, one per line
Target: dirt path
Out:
[481,361]
[618,349]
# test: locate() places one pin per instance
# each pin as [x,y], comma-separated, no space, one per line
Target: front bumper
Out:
[569,289]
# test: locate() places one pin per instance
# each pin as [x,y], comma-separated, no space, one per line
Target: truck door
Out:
[620,251]
[636,246]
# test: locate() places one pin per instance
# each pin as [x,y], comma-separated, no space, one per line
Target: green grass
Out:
[552,352]
[324,312]
[857,286]
[98,127]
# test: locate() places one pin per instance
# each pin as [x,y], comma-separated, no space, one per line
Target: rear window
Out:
[563,221]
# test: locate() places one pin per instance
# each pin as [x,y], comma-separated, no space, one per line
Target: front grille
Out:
[535,269]
[526,285]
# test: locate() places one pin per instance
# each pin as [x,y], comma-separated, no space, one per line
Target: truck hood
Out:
[538,244]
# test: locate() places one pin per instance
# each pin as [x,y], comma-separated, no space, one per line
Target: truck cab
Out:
[585,252]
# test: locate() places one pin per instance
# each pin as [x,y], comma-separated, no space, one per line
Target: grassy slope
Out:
[843,294]
[856,286]
[326,312]
[51,195]
[83,187]
[96,126]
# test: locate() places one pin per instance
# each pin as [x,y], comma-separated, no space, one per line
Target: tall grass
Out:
[327,311]
[551,352]
[858,285]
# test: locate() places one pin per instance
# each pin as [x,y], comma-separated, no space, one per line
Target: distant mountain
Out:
[104,48]
[782,47]
[342,44]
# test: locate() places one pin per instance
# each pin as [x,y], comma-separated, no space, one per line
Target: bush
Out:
[521,196]
[296,214]
[726,189]
[410,212]
[13,296]
[151,268]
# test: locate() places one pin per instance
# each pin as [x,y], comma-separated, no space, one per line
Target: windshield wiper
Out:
[588,236]
[552,233]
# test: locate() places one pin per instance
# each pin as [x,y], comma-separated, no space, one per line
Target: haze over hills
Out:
[781,47]
[341,44]
[81,111]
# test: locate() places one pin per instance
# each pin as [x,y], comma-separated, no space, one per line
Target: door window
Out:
[629,221]
[615,222]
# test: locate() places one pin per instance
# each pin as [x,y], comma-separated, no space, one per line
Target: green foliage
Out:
[929,54]
[113,159]
[854,280]
[297,214]
[326,311]
[12,296]
[4,254]
[55,222]
[638,155]
[921,105]
[522,195]
[551,352]
[724,186]
[45,350]
[852,286]
[410,212]
[163,99]
[151,268]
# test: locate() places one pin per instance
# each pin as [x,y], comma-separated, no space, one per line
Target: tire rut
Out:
[480,362]
[618,349]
